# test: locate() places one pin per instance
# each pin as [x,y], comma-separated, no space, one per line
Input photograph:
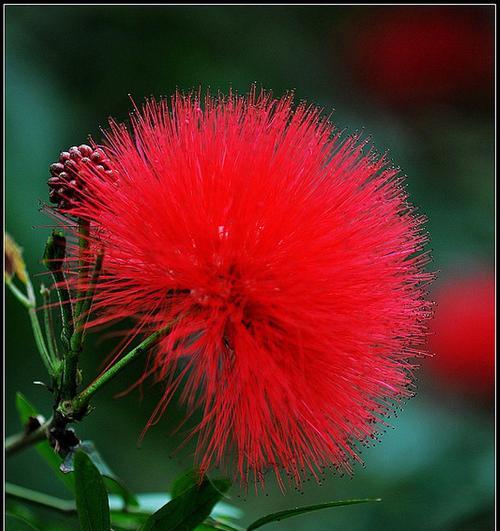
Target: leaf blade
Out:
[13,522]
[113,483]
[189,509]
[185,481]
[91,496]
[296,511]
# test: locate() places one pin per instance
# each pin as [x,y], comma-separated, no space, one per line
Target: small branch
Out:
[53,258]
[20,441]
[71,357]
[83,242]
[29,302]
[61,285]
[82,400]
[38,498]
[77,338]
[49,362]
[49,323]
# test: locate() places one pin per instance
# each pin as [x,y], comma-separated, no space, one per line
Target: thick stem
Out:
[71,358]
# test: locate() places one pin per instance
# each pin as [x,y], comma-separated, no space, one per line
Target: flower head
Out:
[415,56]
[65,182]
[463,335]
[289,261]
[14,262]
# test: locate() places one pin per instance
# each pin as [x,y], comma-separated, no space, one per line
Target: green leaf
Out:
[113,483]
[61,468]
[185,481]
[16,523]
[26,410]
[29,496]
[296,511]
[189,509]
[91,496]
[150,502]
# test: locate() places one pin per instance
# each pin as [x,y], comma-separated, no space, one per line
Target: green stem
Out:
[49,323]
[18,294]
[72,355]
[83,242]
[53,258]
[29,302]
[50,363]
[77,338]
[39,498]
[65,306]
[40,343]
[82,400]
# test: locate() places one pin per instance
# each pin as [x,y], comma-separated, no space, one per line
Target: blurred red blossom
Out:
[463,335]
[288,258]
[424,55]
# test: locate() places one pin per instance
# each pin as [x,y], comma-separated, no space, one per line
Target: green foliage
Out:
[289,513]
[113,483]
[90,479]
[189,508]
[25,411]
[91,496]
[439,446]
[62,467]
[16,523]
[185,481]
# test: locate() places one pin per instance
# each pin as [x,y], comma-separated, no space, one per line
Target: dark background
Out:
[419,80]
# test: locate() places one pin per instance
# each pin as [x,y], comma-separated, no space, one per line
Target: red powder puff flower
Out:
[463,335]
[425,55]
[288,259]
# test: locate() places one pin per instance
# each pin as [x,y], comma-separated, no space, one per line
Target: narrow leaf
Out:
[185,481]
[150,502]
[29,496]
[24,408]
[296,511]
[91,496]
[16,523]
[189,509]
[113,483]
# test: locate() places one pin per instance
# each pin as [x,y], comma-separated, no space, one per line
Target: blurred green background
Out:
[69,68]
